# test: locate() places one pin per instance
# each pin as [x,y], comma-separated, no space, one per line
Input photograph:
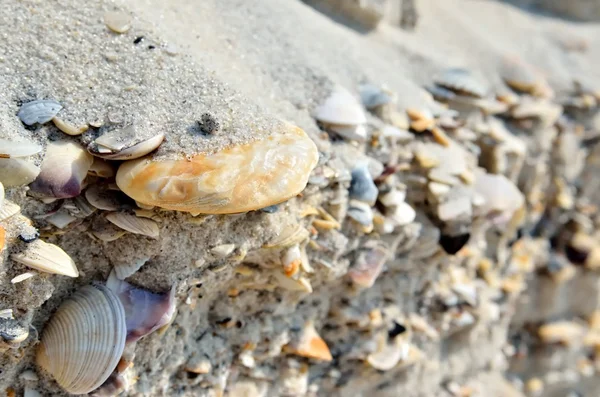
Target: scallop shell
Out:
[64,168]
[291,235]
[8,209]
[341,108]
[238,179]
[462,82]
[10,149]
[134,224]
[40,111]
[124,144]
[84,340]
[17,172]
[47,258]
[145,311]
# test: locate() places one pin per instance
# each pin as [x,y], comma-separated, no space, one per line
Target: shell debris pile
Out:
[251,258]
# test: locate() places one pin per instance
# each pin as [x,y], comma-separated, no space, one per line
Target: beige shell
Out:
[47,258]
[64,168]
[124,270]
[237,179]
[289,236]
[123,144]
[84,340]
[101,168]
[17,172]
[134,224]
[341,108]
[67,128]
[462,82]
[8,209]
[9,149]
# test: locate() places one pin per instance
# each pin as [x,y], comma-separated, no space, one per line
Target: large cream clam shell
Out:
[238,179]
[84,340]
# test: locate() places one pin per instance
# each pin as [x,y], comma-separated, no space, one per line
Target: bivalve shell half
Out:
[8,209]
[64,168]
[124,144]
[10,149]
[462,82]
[40,111]
[84,340]
[134,224]
[47,258]
[17,172]
[237,179]
[341,108]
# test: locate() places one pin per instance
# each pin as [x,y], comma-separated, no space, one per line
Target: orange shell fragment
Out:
[311,345]
[237,179]
[2,238]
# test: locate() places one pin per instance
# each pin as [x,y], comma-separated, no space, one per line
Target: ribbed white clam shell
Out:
[134,224]
[84,340]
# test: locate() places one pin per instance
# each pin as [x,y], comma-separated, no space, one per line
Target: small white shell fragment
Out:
[40,111]
[47,258]
[373,96]
[67,128]
[1,195]
[124,270]
[461,81]
[453,209]
[403,215]
[501,196]
[117,21]
[397,134]
[368,266]
[222,251]
[351,132]
[362,187]
[341,108]
[17,172]
[360,212]
[64,168]
[9,149]
[29,392]
[6,313]
[133,224]
[29,375]
[61,219]
[22,277]
[8,209]
[392,198]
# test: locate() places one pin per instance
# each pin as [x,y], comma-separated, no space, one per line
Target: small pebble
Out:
[118,22]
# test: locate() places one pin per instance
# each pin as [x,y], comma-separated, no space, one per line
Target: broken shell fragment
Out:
[124,144]
[310,345]
[362,187]
[102,198]
[462,82]
[341,108]
[67,128]
[368,266]
[501,197]
[10,149]
[101,168]
[47,258]
[64,168]
[84,340]
[291,235]
[238,179]
[145,311]
[40,111]
[17,172]
[1,195]
[8,209]
[564,332]
[134,224]
[12,332]
[124,270]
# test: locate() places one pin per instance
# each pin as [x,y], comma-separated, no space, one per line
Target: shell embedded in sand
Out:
[9,149]
[341,108]
[237,179]
[462,82]
[64,168]
[17,172]
[40,111]
[134,224]
[117,21]
[123,144]
[67,128]
[47,258]
[84,340]
[8,209]
[310,344]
